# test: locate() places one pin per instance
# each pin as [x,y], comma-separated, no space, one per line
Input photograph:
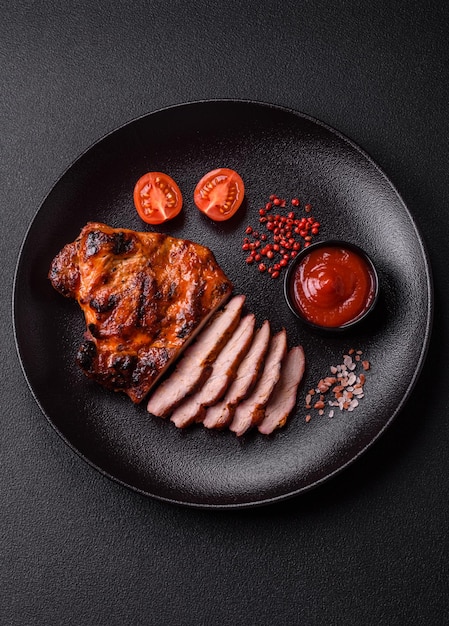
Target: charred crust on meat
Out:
[147,286]
[150,364]
[86,354]
[94,240]
[222,288]
[185,329]
[123,243]
[58,282]
[54,272]
[106,305]
[64,271]
[120,243]
[172,290]
[125,363]
[146,366]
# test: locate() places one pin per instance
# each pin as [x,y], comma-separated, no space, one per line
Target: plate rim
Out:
[412,382]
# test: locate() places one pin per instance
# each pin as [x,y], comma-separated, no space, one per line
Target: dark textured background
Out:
[370,547]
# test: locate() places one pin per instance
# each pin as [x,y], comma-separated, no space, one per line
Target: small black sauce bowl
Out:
[290,275]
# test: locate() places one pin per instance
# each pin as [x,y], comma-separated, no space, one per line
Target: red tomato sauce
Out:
[333,286]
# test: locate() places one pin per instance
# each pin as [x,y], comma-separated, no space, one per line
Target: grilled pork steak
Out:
[144,296]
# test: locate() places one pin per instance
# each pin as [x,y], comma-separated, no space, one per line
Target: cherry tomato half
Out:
[219,194]
[157,198]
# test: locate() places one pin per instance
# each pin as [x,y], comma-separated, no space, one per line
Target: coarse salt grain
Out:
[345,385]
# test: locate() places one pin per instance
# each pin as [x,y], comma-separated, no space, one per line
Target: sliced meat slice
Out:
[195,366]
[250,411]
[283,398]
[223,370]
[220,414]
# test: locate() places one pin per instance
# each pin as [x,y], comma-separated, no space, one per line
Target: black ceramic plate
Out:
[275,151]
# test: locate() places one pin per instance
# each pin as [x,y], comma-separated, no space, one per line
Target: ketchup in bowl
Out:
[331,285]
